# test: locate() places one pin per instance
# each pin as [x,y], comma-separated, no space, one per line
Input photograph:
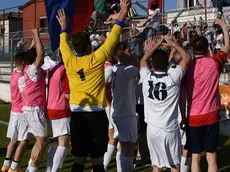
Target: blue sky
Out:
[169,4]
[11,3]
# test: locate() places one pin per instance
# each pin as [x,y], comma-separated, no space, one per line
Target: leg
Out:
[212,164]
[20,150]
[196,162]
[59,157]
[156,169]
[37,151]
[176,168]
[78,165]
[18,155]
[110,149]
[125,154]
[79,140]
[142,140]
[185,161]
[11,149]
[51,153]
[97,164]
[98,140]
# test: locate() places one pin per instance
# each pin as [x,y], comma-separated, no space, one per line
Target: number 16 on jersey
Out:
[157,91]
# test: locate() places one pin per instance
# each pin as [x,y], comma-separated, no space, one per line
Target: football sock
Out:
[59,158]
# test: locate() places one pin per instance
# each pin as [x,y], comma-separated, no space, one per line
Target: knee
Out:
[41,143]
[64,141]
[196,158]
[211,158]
[127,149]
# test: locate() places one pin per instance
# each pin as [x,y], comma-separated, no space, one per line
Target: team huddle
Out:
[104,101]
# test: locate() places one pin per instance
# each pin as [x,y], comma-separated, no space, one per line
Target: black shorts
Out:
[202,139]
[89,134]
[141,116]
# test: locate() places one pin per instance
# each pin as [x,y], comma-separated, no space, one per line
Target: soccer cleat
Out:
[5,168]
[18,170]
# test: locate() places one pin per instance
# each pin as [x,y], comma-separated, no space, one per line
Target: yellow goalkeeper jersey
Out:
[86,73]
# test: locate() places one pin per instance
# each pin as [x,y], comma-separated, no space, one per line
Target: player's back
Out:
[123,89]
[161,96]
[87,83]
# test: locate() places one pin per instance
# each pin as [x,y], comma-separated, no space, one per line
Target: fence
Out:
[12,34]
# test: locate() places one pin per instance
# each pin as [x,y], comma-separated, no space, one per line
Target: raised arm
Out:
[39,49]
[185,57]
[64,37]
[151,47]
[223,25]
[106,50]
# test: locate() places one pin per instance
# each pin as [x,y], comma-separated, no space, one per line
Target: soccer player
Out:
[18,128]
[124,108]
[59,116]
[34,101]
[89,123]
[161,89]
[112,145]
[204,100]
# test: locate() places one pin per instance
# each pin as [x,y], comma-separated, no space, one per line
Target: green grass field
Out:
[223,151]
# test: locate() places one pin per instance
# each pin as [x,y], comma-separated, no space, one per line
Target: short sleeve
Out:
[21,83]
[131,72]
[220,58]
[144,72]
[33,73]
[176,73]
[108,74]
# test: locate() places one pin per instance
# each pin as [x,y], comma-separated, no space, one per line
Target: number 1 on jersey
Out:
[81,74]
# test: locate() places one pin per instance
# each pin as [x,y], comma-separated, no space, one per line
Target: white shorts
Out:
[18,127]
[109,115]
[125,129]
[60,127]
[37,122]
[164,147]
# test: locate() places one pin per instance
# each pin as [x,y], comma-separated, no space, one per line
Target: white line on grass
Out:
[5,123]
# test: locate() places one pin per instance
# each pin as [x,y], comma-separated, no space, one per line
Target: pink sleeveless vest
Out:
[16,98]
[56,98]
[34,93]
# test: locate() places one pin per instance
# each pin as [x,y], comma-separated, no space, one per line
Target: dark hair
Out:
[121,46]
[205,26]
[114,7]
[19,58]
[159,60]
[81,41]
[154,6]
[199,44]
[31,55]
[176,35]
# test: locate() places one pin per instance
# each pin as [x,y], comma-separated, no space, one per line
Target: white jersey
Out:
[123,90]
[161,92]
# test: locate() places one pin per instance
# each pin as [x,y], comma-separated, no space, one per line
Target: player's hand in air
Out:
[125,5]
[220,22]
[61,17]
[169,41]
